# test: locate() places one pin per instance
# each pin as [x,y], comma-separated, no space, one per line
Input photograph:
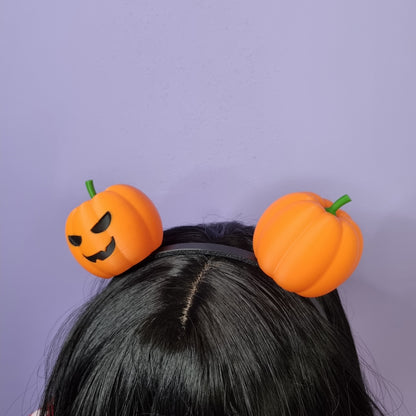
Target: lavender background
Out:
[214,109]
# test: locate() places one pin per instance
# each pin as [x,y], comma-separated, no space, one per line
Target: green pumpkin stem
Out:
[90,187]
[338,204]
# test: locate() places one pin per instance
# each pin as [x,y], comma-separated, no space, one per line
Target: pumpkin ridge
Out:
[356,230]
[359,236]
[329,264]
[261,227]
[121,254]
[353,260]
[127,202]
[267,254]
[289,248]
[83,213]
[94,204]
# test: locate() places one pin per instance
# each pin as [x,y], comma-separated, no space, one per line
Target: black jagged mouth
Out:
[102,255]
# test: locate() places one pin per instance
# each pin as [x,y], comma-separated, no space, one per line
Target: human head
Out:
[196,334]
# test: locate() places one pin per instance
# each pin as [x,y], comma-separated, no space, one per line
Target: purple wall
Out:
[214,109]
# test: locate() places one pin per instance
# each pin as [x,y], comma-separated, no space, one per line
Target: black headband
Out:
[211,249]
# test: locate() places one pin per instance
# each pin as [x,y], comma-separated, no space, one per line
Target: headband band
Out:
[212,249]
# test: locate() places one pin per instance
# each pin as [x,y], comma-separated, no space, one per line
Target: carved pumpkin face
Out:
[114,230]
[306,244]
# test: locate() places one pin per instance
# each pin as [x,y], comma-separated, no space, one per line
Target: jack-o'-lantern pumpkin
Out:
[307,244]
[114,230]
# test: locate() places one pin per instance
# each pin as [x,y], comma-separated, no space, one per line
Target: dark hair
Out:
[195,334]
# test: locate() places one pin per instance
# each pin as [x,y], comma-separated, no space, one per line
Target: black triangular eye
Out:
[103,224]
[75,240]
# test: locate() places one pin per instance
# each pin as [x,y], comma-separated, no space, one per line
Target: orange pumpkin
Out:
[306,244]
[114,230]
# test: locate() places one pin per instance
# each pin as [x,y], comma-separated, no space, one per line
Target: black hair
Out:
[201,335]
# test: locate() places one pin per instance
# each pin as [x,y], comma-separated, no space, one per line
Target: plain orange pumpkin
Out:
[114,230]
[303,247]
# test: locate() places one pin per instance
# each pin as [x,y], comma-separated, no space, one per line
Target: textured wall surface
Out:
[214,109]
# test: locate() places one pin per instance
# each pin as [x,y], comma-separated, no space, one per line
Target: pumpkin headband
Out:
[305,243]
